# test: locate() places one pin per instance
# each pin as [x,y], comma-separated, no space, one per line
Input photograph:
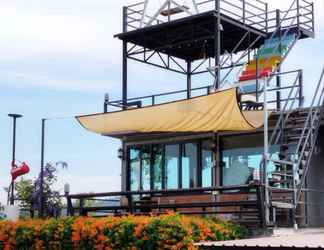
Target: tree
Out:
[24,194]
[28,192]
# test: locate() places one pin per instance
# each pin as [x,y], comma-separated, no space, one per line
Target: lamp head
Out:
[15,115]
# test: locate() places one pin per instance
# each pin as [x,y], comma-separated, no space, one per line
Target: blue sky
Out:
[58,58]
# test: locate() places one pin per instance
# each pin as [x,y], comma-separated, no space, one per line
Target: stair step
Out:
[290,144]
[274,182]
[303,163]
[282,162]
[283,205]
[296,138]
[283,174]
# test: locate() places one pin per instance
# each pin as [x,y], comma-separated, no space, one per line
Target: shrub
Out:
[171,231]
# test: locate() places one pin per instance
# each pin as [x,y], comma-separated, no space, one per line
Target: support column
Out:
[189,76]
[125,169]
[125,68]
[265,179]
[217,44]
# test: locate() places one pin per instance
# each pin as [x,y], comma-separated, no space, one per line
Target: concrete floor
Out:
[305,238]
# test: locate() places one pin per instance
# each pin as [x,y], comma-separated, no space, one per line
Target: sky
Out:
[59,58]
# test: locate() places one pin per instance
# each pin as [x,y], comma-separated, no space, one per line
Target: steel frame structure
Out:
[171,45]
[166,53]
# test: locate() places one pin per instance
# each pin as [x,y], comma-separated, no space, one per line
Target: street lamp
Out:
[42,200]
[14,118]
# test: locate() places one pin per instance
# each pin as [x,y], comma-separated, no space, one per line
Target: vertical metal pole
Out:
[12,198]
[124,78]
[126,169]
[298,14]
[106,103]
[14,128]
[313,18]
[278,78]
[243,9]
[144,13]
[217,45]
[301,90]
[266,17]
[295,178]
[257,78]
[188,79]
[169,8]
[266,154]
[42,200]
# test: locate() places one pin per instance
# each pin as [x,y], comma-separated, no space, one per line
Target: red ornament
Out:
[19,171]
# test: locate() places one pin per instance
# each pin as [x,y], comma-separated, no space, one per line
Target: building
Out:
[243,147]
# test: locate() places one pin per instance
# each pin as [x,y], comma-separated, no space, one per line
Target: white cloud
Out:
[57,26]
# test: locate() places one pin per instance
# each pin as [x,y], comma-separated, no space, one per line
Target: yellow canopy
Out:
[215,112]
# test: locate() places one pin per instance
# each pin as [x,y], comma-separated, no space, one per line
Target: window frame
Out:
[181,143]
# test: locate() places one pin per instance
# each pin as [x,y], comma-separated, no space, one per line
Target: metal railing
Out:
[250,12]
[151,100]
[295,94]
[254,13]
[135,206]
[310,132]
[302,14]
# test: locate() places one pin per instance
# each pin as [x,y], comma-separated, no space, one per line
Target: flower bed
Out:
[170,231]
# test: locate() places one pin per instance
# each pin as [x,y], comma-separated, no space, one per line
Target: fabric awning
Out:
[215,112]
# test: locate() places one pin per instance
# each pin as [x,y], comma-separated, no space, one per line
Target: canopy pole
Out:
[189,75]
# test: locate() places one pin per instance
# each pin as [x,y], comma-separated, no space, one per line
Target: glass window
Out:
[207,165]
[189,165]
[135,168]
[241,156]
[157,166]
[172,166]
[146,163]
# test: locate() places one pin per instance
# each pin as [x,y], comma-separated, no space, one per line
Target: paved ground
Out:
[308,238]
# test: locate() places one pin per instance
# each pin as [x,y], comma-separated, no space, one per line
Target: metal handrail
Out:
[284,115]
[315,115]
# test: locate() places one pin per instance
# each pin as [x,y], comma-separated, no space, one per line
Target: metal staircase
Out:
[296,134]
[266,62]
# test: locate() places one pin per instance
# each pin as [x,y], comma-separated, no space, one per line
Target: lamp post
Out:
[41,212]
[14,118]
